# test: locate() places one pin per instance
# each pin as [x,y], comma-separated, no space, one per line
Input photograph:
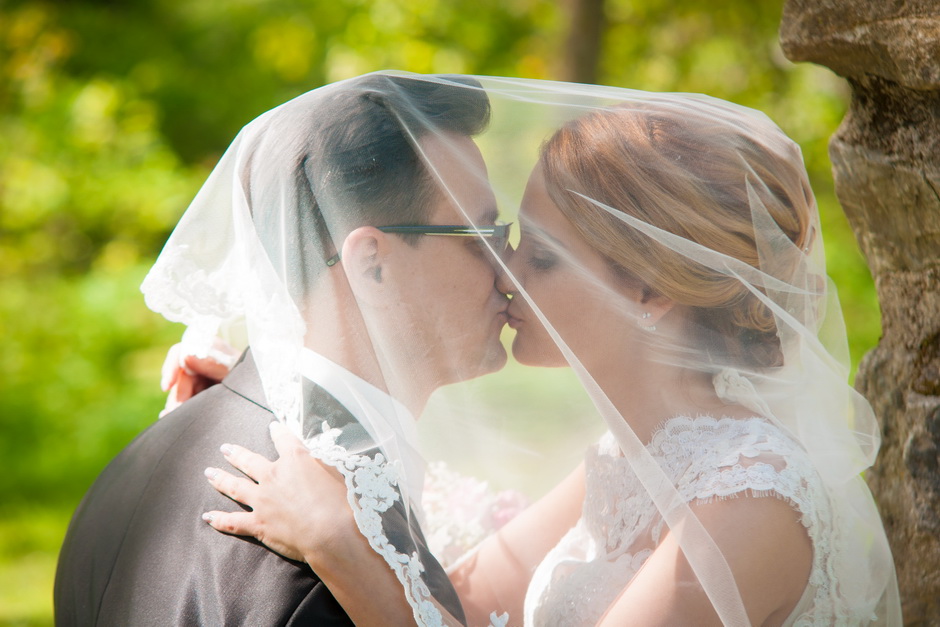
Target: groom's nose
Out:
[503,283]
[507,253]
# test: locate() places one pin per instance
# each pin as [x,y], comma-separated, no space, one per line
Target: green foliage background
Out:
[112,114]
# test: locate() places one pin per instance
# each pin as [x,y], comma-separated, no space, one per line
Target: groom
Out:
[137,552]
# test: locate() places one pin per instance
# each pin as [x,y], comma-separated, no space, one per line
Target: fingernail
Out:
[208,517]
[226,449]
[275,425]
[211,473]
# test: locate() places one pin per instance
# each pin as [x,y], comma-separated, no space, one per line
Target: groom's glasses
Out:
[497,234]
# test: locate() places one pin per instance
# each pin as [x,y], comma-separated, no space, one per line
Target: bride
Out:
[670,254]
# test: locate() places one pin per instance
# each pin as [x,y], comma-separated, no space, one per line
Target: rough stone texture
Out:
[888,206]
[894,39]
[893,208]
[886,163]
[906,479]
[901,124]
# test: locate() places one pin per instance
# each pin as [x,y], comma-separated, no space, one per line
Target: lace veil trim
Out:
[371,488]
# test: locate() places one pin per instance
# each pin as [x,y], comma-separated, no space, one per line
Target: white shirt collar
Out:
[387,421]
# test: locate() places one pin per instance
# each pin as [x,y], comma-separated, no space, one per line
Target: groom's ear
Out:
[364,256]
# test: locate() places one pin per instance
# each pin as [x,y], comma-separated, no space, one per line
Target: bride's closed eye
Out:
[540,258]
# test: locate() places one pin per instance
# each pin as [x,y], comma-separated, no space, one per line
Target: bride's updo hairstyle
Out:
[695,172]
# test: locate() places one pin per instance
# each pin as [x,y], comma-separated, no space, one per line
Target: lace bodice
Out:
[707,459]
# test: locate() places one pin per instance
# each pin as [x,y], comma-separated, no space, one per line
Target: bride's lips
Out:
[511,320]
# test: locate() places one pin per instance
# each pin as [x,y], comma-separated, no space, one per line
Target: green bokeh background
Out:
[112,115]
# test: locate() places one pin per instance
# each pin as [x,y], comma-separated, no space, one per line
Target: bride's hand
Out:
[299,505]
[299,509]
[184,375]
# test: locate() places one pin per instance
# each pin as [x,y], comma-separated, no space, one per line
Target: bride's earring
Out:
[647,327]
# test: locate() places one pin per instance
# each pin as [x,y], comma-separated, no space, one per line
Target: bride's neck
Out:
[649,394]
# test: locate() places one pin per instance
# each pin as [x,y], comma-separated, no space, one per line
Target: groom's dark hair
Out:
[356,160]
[369,151]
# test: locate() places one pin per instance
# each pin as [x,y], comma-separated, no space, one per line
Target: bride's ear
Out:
[364,254]
[655,304]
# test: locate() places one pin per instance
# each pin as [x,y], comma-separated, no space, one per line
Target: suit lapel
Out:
[319,407]
[243,379]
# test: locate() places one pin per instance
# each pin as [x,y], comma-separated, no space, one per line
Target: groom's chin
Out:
[498,358]
[493,360]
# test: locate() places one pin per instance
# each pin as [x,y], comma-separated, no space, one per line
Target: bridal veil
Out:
[691,201]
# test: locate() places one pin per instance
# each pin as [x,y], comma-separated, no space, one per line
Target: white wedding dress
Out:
[707,459]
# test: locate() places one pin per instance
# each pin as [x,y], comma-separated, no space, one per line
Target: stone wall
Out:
[886,164]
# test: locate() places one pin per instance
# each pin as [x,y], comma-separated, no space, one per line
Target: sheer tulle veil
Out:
[709,267]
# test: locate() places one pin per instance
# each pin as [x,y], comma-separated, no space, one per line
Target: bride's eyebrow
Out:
[541,235]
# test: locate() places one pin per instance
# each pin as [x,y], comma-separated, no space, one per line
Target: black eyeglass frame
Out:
[499,232]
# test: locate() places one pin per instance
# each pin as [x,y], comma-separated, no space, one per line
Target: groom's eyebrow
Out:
[490,217]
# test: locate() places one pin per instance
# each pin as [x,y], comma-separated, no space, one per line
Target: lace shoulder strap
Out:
[754,458]
[721,458]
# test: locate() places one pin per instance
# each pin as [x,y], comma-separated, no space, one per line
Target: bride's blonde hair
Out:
[689,174]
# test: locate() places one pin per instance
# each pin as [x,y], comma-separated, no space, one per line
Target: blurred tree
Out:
[88,190]
[213,66]
[112,114]
[583,40]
